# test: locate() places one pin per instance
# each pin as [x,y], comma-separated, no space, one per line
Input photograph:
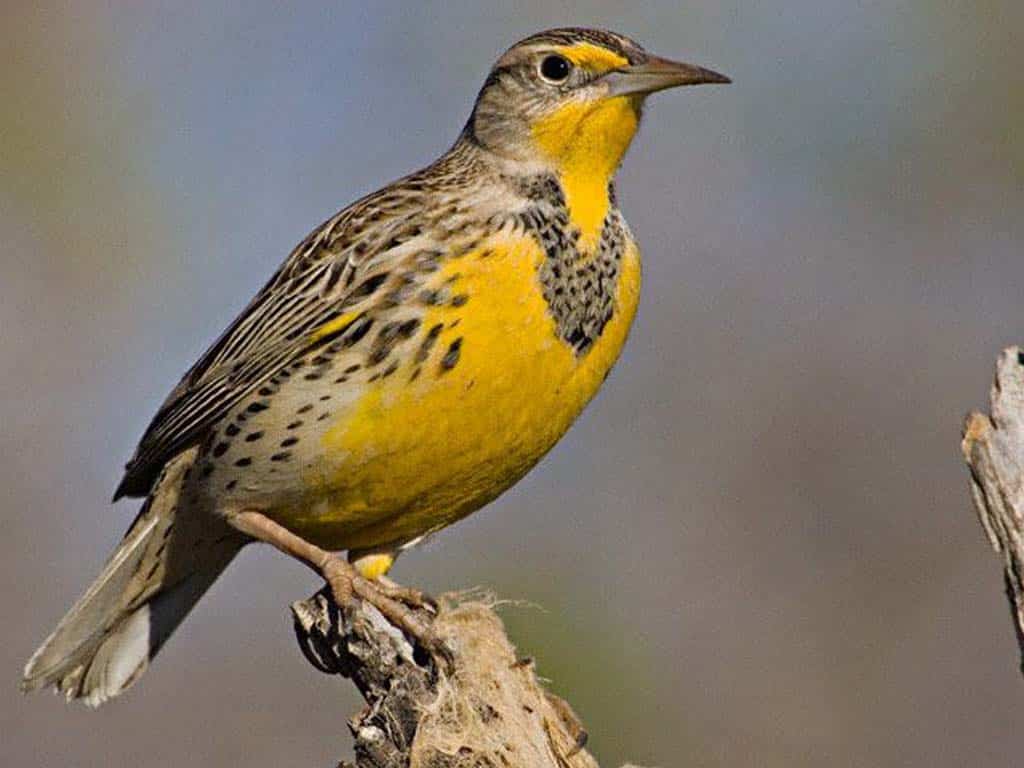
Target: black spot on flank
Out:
[305,409]
[282,456]
[231,430]
[369,285]
[451,357]
[313,376]
[245,461]
[353,368]
[324,398]
[388,332]
[341,380]
[267,391]
[257,407]
[295,424]
[359,329]
[428,342]
[415,374]
[396,297]
[253,436]
[1020,357]
[389,336]
[207,470]
[459,300]
[289,441]
[390,369]
[231,485]
[429,297]
[220,449]
[323,416]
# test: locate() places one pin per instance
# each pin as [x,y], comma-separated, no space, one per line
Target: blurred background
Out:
[756,548]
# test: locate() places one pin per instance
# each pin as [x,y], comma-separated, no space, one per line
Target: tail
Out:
[164,564]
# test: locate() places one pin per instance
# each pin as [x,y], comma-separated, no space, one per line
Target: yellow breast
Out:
[444,435]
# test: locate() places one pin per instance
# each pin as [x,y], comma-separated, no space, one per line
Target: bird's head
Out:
[570,96]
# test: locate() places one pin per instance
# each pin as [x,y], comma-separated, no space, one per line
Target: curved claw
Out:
[440,652]
[410,596]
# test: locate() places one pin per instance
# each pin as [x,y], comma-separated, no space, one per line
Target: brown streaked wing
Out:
[315,285]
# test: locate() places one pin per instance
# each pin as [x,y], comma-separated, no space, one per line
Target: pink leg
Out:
[345,582]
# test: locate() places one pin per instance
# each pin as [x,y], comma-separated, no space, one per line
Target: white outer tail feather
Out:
[167,560]
[119,661]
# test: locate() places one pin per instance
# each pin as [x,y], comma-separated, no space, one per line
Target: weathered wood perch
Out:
[994,450]
[490,712]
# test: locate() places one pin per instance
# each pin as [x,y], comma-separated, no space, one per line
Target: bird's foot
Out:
[396,604]
[416,599]
[348,585]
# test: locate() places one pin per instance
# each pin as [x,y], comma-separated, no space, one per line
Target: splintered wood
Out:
[993,447]
[490,713]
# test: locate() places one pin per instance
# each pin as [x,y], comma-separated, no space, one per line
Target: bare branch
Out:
[994,451]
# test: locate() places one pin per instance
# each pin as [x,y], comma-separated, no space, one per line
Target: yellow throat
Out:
[585,141]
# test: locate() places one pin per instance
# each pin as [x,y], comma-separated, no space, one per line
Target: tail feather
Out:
[167,560]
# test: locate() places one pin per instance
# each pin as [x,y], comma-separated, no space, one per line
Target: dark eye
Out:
[555,68]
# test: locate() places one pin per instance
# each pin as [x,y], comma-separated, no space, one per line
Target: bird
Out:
[411,359]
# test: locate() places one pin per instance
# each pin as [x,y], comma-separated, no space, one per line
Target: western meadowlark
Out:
[412,359]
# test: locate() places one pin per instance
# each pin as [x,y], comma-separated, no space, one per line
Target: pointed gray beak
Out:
[657,74]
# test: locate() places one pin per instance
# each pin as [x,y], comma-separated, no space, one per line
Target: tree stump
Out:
[490,712]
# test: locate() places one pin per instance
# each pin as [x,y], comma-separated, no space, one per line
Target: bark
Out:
[993,447]
[490,712]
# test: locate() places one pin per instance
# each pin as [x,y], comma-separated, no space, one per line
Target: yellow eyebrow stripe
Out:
[592,57]
[339,323]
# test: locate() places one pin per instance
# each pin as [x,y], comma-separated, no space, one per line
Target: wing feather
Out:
[341,268]
[315,286]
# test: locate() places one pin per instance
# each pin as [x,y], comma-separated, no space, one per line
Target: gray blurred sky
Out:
[755,549]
